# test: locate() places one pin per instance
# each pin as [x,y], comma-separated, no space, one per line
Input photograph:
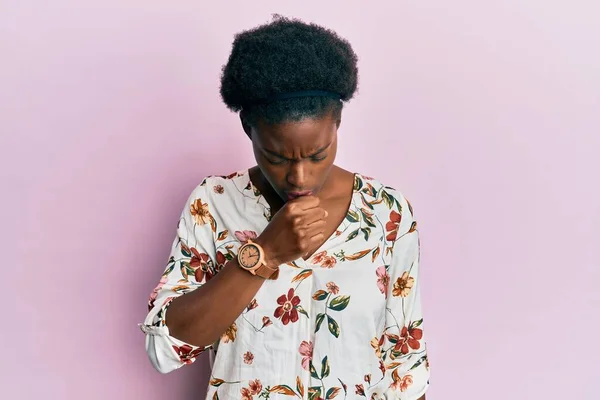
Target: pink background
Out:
[485,114]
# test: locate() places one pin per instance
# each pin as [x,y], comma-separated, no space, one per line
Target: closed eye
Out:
[275,162]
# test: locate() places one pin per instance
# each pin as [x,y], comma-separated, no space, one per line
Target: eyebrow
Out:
[319,151]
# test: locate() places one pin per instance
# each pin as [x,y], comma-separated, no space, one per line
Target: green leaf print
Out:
[183,267]
[313,371]
[314,392]
[388,199]
[301,310]
[190,270]
[185,251]
[367,232]
[358,184]
[370,190]
[365,202]
[368,218]
[352,216]
[332,392]
[320,295]
[168,270]
[416,324]
[419,362]
[320,318]
[398,205]
[339,303]
[352,235]
[325,368]
[333,326]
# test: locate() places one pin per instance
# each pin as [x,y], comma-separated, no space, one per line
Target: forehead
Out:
[293,137]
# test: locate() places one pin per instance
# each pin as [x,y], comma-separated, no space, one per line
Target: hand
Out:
[297,228]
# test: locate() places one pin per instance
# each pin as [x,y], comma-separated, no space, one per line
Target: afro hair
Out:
[288,55]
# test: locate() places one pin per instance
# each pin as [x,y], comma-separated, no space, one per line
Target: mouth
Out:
[295,195]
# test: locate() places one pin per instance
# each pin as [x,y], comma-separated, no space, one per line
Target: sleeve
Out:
[403,347]
[191,263]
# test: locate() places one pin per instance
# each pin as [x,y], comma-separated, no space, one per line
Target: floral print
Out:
[218,189]
[186,353]
[248,358]
[287,310]
[409,339]
[199,211]
[324,260]
[401,383]
[360,390]
[392,225]
[338,303]
[383,280]
[230,333]
[244,236]
[266,321]
[306,351]
[345,324]
[254,388]
[332,288]
[403,285]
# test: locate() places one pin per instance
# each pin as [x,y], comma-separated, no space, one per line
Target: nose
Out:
[297,175]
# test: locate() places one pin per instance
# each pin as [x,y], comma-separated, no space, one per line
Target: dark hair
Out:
[283,56]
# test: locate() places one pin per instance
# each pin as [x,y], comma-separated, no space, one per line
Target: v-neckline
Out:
[263,201]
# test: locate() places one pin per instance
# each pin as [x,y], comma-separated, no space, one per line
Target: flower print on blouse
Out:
[345,324]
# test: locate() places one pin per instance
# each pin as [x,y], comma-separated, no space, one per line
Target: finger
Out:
[315,227]
[315,214]
[305,202]
[316,240]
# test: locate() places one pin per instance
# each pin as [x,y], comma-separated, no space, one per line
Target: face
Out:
[296,157]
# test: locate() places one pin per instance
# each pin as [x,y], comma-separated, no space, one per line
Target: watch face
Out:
[249,256]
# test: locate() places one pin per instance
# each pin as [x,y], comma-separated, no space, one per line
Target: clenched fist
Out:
[297,228]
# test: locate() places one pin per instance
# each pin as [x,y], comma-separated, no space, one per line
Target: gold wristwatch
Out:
[251,258]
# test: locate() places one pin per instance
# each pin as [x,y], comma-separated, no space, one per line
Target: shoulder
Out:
[385,201]
[221,187]
[218,193]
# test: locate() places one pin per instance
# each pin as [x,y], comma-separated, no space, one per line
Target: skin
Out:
[298,157]
[193,318]
[291,157]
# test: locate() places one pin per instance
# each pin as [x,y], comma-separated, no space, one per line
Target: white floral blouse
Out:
[345,324]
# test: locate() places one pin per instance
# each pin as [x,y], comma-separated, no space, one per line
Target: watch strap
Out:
[267,272]
[263,270]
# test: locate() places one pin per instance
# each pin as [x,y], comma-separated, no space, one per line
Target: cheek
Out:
[275,175]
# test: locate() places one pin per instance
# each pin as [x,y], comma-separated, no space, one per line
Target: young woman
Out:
[304,275]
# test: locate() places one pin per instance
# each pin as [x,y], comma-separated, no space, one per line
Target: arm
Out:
[196,318]
[403,348]
[195,321]
[192,264]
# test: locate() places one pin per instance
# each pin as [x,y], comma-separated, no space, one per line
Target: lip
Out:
[295,195]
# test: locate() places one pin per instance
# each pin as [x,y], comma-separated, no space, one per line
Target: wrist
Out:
[270,258]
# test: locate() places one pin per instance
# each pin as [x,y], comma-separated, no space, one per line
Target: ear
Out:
[245,125]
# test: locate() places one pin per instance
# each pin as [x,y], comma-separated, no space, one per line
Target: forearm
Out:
[200,317]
